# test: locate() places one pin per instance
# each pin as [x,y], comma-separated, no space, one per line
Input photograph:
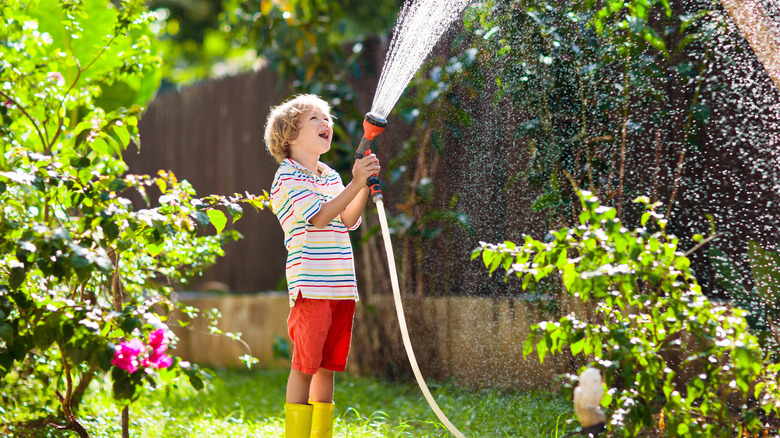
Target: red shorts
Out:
[321,332]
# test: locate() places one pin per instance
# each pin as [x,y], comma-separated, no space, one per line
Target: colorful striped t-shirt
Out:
[319,260]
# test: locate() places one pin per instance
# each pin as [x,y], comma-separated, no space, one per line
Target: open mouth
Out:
[325,135]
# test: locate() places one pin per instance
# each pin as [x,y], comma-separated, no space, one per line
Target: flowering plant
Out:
[133,354]
[80,261]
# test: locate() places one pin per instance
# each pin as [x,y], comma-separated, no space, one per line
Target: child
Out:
[315,211]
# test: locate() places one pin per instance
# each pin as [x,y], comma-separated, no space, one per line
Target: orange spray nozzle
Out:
[373,125]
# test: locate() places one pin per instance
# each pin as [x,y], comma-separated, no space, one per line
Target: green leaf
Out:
[201,218]
[235,211]
[114,96]
[578,346]
[117,185]
[6,360]
[655,40]
[495,262]
[542,347]
[100,146]
[528,347]
[80,162]
[562,260]
[687,39]
[19,348]
[765,267]
[667,8]
[43,337]
[7,332]
[123,387]
[130,323]
[17,277]
[645,217]
[79,258]
[218,219]
[104,359]
[196,381]
[110,228]
[22,301]
[154,248]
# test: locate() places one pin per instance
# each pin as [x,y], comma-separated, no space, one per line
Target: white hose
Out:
[399,308]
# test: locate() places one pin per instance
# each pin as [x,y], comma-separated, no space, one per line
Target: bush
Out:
[85,267]
[649,310]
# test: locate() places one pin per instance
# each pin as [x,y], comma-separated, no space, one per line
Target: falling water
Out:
[420,25]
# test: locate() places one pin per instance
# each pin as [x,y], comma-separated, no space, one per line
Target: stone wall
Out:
[470,341]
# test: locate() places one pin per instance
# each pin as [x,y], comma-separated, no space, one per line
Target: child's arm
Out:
[354,209]
[351,201]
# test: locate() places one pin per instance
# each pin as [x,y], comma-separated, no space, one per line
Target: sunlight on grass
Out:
[251,404]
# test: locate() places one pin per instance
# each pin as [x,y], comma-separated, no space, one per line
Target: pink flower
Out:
[157,340]
[158,359]
[126,356]
[132,355]
[56,77]
[8,103]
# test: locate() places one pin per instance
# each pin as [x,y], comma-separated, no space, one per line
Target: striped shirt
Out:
[319,260]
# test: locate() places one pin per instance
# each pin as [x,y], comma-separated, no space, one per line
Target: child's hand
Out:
[365,167]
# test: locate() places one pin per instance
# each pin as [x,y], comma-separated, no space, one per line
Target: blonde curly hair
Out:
[283,123]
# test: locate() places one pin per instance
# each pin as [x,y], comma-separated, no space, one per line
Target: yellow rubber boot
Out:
[297,420]
[322,420]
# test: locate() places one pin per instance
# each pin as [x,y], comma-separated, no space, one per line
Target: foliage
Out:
[245,403]
[663,347]
[316,47]
[760,301]
[599,83]
[210,38]
[614,95]
[194,42]
[87,259]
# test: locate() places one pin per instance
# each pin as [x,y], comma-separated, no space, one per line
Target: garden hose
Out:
[373,125]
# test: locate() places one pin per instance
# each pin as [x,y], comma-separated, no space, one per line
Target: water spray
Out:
[373,125]
[420,25]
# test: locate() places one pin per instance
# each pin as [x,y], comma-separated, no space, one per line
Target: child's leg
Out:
[298,385]
[321,389]
[298,412]
[321,398]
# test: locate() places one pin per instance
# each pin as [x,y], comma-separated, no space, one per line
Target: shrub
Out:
[649,309]
[85,267]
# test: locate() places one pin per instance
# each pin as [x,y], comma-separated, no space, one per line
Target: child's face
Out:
[315,133]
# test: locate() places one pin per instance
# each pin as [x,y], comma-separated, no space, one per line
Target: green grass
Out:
[251,404]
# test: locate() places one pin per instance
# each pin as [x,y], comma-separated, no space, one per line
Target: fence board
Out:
[211,135]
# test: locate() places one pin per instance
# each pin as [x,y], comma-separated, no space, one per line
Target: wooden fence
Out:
[211,135]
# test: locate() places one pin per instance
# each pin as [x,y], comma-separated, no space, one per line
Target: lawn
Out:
[250,404]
